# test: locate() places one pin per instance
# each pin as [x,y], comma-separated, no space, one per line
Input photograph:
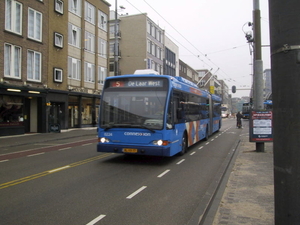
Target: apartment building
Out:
[54,59]
[140,44]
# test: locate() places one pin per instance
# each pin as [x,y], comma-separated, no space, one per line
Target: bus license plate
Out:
[130,150]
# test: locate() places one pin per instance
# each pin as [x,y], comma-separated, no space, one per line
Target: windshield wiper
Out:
[116,125]
[144,127]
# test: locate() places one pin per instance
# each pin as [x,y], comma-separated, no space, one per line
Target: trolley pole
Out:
[258,67]
[284,20]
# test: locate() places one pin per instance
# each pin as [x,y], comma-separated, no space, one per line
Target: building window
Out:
[58,75]
[59,6]
[89,42]
[89,72]
[74,35]
[13,16]
[74,68]
[58,40]
[102,23]
[34,63]
[102,74]
[34,25]
[148,27]
[11,111]
[102,47]
[89,13]
[75,7]
[12,61]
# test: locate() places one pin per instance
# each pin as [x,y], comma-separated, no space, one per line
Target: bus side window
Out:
[176,110]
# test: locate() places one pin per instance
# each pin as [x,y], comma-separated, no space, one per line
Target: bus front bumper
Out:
[135,149]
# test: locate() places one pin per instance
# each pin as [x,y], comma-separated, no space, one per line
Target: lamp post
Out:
[258,67]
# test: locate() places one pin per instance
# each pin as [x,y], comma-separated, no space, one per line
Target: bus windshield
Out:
[132,107]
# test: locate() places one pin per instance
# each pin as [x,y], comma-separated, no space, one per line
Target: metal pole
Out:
[258,67]
[285,61]
[116,40]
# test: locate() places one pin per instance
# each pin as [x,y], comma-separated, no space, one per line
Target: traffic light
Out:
[233,89]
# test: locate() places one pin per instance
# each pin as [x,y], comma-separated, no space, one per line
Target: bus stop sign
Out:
[261,129]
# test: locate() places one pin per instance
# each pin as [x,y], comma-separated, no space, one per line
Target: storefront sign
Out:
[261,129]
[55,128]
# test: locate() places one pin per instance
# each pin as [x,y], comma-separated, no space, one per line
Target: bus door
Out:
[174,125]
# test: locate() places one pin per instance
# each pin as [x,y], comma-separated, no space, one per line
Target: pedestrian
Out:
[239,120]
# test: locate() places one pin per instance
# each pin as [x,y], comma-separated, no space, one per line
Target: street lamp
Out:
[116,50]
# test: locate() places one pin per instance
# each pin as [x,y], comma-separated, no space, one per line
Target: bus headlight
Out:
[161,143]
[103,140]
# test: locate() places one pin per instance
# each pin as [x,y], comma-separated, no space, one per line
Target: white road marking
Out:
[193,153]
[62,149]
[58,169]
[181,161]
[96,220]
[200,147]
[6,160]
[162,174]
[41,153]
[207,143]
[136,192]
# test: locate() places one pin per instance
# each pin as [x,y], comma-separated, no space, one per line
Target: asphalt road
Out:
[74,184]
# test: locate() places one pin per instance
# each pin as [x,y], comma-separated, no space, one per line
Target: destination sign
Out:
[136,83]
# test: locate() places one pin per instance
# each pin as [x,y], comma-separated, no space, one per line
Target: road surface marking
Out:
[6,160]
[136,192]
[164,173]
[200,147]
[207,143]
[62,149]
[41,153]
[58,169]
[96,220]
[193,153]
[181,161]
[45,173]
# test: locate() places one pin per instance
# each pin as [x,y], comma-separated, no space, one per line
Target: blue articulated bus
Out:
[154,114]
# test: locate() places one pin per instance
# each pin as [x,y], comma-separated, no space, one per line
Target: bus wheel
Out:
[183,145]
[206,135]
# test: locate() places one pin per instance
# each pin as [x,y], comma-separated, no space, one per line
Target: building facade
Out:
[140,44]
[55,59]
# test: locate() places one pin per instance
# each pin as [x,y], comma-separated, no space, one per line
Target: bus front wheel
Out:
[183,145]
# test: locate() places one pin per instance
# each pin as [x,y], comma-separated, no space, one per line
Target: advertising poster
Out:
[261,129]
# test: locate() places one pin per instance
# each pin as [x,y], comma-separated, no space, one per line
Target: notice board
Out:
[261,126]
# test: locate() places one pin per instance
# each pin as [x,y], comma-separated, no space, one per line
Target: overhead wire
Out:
[196,55]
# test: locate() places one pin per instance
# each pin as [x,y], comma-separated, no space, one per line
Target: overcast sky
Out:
[209,34]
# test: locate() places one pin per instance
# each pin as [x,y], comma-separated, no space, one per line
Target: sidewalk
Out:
[249,194]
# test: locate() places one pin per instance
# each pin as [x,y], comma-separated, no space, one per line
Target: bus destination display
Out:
[136,83]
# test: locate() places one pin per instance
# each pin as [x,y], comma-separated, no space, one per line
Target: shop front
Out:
[24,110]
[21,111]
[83,110]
